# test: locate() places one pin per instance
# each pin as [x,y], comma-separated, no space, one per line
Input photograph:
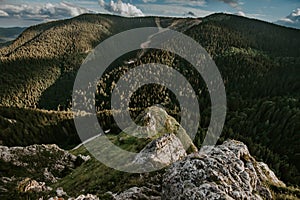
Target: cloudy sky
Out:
[29,12]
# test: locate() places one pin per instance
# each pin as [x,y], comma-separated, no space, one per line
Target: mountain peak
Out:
[155,122]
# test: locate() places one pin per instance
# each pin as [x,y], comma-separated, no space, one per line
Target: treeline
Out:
[23,127]
[45,54]
[259,63]
[43,61]
[270,127]
[261,79]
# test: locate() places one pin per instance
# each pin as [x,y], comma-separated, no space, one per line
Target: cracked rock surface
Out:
[33,167]
[227,171]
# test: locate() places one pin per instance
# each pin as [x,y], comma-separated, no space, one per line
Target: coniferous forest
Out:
[259,63]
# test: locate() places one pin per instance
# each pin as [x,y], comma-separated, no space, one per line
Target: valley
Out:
[259,63]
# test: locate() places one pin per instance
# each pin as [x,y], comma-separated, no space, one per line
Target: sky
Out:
[24,13]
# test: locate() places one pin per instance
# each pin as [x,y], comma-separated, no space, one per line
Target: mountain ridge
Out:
[226,171]
[259,63]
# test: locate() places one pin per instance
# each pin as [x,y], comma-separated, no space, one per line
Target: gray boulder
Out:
[34,167]
[153,124]
[136,193]
[161,152]
[227,171]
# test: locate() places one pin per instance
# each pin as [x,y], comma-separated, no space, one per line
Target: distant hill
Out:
[9,34]
[259,63]
[49,54]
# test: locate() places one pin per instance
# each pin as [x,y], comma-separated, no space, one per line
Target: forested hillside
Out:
[259,63]
[43,61]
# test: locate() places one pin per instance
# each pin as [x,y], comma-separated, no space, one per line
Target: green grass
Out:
[287,193]
[96,178]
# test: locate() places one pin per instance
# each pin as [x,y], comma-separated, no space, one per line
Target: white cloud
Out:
[250,15]
[41,11]
[29,14]
[292,20]
[3,13]
[187,2]
[286,20]
[149,1]
[172,10]
[241,13]
[232,3]
[296,13]
[102,3]
[121,8]
[181,8]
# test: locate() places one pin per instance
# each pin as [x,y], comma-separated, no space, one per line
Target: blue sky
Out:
[29,12]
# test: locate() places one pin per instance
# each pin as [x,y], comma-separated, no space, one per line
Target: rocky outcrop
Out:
[80,197]
[136,193]
[153,124]
[85,197]
[161,152]
[45,163]
[49,160]
[28,184]
[159,139]
[227,171]
[61,195]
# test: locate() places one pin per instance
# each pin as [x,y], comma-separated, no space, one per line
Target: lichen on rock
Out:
[227,171]
[154,123]
[161,152]
[34,167]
